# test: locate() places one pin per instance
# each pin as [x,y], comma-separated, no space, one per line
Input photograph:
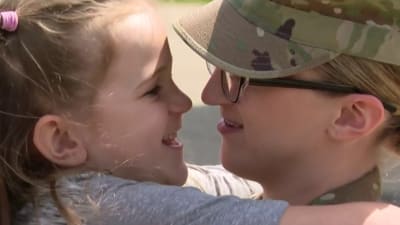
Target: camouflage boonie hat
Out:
[277,38]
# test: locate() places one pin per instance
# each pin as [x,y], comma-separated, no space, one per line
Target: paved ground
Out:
[199,133]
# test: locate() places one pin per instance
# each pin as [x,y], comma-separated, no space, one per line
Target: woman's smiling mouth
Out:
[227,126]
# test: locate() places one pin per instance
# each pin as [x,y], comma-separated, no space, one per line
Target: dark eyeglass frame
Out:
[291,83]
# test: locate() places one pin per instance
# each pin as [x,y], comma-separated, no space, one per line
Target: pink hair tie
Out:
[9,20]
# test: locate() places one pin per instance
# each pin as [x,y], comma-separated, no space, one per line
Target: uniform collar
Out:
[366,188]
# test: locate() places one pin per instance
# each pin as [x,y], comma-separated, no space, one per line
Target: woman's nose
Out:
[212,93]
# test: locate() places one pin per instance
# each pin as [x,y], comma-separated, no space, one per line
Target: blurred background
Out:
[199,133]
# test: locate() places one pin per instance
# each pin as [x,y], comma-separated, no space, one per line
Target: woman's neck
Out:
[300,184]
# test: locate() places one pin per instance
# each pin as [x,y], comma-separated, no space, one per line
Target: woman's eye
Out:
[154,91]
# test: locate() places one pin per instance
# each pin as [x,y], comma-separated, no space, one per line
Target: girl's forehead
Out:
[143,27]
[139,46]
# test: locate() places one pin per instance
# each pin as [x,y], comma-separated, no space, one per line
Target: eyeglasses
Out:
[233,86]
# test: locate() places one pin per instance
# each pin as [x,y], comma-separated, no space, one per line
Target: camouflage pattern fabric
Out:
[223,37]
[361,11]
[364,28]
[277,38]
[365,188]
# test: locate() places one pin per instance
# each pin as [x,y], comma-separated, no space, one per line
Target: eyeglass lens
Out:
[231,85]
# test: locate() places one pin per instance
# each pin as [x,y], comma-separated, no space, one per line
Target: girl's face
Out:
[138,109]
[270,128]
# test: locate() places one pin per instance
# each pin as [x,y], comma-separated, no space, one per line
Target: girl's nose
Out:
[180,102]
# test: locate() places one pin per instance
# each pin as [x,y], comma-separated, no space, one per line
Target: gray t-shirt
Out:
[108,200]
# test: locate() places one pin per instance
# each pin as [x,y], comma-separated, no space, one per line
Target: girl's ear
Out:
[359,116]
[56,141]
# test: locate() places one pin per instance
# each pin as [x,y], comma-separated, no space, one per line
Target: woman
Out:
[304,115]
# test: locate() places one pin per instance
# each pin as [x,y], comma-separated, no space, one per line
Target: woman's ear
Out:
[57,142]
[359,115]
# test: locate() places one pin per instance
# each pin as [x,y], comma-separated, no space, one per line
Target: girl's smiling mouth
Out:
[172,140]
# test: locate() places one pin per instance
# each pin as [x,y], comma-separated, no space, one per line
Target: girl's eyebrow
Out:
[153,77]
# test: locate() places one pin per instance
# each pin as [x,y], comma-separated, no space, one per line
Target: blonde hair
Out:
[50,64]
[379,79]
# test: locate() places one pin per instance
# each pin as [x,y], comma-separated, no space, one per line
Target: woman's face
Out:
[270,128]
[137,113]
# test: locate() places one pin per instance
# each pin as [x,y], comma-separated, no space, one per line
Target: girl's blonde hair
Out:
[379,79]
[49,65]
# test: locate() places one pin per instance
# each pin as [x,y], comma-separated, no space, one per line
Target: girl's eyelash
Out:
[154,91]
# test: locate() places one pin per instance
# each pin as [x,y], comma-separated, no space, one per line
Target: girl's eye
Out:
[154,91]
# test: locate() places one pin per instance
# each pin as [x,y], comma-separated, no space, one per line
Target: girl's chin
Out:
[169,176]
[178,177]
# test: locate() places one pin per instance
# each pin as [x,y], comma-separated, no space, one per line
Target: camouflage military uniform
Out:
[215,180]
[265,39]
[366,188]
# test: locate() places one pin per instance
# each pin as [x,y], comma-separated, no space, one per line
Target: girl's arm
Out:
[123,202]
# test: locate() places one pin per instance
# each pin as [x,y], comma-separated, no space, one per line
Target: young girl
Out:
[303,120]
[86,87]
